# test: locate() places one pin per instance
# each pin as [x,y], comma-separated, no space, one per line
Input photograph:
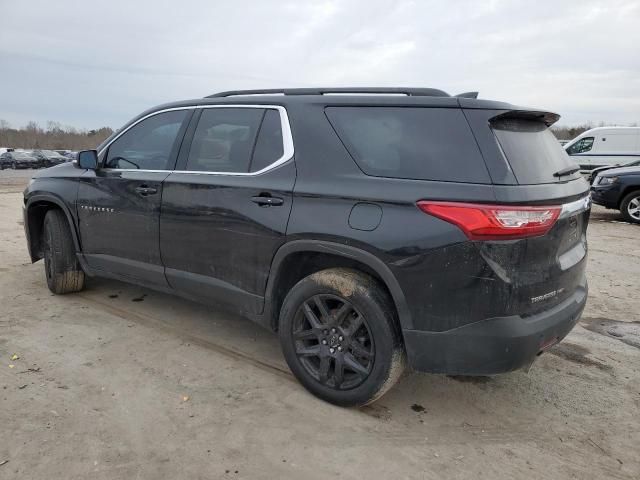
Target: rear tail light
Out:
[494,222]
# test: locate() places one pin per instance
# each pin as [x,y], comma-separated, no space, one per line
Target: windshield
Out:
[21,155]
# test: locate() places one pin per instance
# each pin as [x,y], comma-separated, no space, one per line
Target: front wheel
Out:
[63,271]
[340,337]
[630,207]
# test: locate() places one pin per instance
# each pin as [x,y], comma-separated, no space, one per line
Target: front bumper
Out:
[607,195]
[25,165]
[494,345]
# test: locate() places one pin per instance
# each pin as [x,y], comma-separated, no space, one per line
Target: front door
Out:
[581,152]
[225,209]
[119,203]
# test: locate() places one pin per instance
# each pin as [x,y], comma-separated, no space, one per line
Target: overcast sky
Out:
[90,64]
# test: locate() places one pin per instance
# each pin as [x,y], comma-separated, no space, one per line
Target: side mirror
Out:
[88,159]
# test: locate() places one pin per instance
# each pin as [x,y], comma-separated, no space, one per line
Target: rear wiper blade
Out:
[567,171]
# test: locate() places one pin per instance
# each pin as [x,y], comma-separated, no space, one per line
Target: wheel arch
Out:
[36,208]
[285,272]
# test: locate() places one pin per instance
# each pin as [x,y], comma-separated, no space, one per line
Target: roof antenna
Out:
[468,95]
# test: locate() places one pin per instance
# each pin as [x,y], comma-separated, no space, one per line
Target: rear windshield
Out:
[532,151]
[407,142]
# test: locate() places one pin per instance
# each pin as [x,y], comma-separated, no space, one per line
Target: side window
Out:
[410,142]
[224,139]
[581,146]
[269,147]
[148,145]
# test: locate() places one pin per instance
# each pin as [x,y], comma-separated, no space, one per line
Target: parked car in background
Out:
[597,171]
[605,146]
[49,158]
[409,224]
[619,188]
[71,156]
[18,159]
[5,149]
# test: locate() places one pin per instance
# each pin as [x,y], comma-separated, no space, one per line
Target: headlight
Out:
[607,180]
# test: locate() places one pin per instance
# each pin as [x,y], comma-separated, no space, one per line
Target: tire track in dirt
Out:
[150,321]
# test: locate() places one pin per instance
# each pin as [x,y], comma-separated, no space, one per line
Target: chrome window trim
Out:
[287,141]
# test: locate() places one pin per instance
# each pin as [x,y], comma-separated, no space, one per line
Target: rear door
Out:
[119,204]
[225,209]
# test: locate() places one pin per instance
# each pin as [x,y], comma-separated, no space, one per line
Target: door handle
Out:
[267,201]
[145,190]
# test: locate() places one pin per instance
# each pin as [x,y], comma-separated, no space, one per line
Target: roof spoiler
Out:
[548,118]
[468,95]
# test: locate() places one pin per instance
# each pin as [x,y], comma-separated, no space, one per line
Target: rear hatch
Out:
[530,168]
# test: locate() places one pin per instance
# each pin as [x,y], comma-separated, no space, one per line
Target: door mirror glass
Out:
[88,159]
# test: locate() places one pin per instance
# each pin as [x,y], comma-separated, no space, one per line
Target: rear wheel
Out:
[630,207]
[62,269]
[340,337]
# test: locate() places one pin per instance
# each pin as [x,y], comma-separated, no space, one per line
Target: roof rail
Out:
[412,92]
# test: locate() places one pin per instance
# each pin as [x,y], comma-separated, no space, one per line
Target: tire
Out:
[342,317]
[630,207]
[62,269]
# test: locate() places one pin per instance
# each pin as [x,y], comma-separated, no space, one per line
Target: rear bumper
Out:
[494,345]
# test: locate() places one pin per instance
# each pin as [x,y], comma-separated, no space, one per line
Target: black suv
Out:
[367,226]
[619,188]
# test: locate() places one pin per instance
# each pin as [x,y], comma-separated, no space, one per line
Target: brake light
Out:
[494,222]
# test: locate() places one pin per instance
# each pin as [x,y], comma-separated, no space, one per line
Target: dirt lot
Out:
[121,382]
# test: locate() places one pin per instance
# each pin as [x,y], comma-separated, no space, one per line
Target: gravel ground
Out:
[122,382]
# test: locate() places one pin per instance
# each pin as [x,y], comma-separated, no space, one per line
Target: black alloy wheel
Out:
[333,341]
[340,336]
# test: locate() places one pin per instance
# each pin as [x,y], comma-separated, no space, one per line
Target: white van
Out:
[604,146]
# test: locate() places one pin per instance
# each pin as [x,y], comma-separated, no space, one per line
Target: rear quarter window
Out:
[410,142]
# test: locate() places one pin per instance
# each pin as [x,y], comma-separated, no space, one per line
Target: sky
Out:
[90,64]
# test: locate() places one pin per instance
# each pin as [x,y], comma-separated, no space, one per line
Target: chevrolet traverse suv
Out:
[370,228]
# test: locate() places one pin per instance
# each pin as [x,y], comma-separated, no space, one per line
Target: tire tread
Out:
[68,275]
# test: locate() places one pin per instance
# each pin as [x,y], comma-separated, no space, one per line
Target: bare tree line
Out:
[53,137]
